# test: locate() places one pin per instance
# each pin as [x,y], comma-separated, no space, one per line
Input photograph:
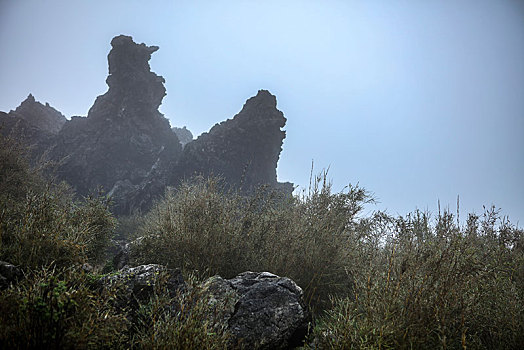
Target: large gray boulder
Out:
[260,310]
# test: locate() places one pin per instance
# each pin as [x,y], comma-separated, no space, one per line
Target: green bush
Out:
[181,322]
[435,286]
[41,223]
[58,308]
[373,282]
[203,227]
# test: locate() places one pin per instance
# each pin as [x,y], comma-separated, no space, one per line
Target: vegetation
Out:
[439,285]
[372,281]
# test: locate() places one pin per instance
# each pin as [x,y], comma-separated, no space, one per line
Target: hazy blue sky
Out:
[416,100]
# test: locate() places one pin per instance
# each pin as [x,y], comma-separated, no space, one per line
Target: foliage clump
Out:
[60,309]
[434,284]
[373,281]
[40,221]
[202,227]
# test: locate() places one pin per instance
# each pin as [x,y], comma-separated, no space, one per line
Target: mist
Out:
[416,102]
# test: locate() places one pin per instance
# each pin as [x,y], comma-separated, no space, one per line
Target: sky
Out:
[416,101]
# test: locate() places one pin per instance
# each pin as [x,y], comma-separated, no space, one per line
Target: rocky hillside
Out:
[124,140]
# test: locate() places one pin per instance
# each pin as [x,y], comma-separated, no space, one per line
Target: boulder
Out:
[261,310]
[137,284]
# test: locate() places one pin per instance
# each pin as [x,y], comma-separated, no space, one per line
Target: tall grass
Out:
[435,284]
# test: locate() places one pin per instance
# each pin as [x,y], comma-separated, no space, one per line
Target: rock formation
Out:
[125,143]
[126,147]
[139,283]
[184,135]
[265,311]
[244,150]
[43,117]
[33,124]
[9,274]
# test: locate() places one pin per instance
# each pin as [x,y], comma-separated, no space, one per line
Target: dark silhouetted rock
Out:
[33,124]
[43,117]
[261,310]
[243,150]
[183,134]
[9,274]
[125,145]
[119,251]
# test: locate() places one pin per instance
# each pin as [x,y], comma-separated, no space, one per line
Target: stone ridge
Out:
[32,124]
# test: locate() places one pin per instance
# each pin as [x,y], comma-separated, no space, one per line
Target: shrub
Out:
[94,217]
[203,227]
[57,308]
[181,322]
[41,223]
[434,286]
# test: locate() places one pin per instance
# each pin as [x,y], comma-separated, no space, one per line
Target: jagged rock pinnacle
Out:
[244,150]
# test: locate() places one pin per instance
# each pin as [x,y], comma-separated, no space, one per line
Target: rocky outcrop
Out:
[261,310]
[32,124]
[243,150]
[125,145]
[43,117]
[184,135]
[137,284]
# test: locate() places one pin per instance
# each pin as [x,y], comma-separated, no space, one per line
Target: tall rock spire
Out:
[124,140]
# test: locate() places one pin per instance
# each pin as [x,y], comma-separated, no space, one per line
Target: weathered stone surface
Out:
[43,117]
[32,124]
[118,251]
[9,274]
[137,284]
[243,150]
[124,140]
[184,135]
[261,310]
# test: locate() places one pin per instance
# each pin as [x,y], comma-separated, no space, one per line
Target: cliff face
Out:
[124,140]
[244,150]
